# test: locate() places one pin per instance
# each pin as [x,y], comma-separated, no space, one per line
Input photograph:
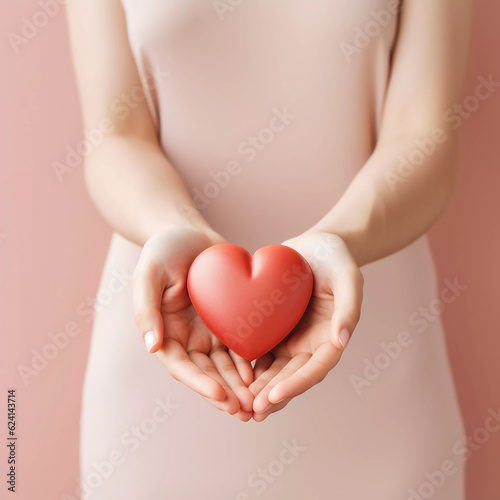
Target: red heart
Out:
[250,303]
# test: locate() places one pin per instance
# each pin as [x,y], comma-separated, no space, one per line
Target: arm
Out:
[387,205]
[140,194]
[385,208]
[130,180]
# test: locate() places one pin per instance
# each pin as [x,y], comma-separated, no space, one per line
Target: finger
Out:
[230,404]
[260,417]
[244,368]
[313,372]
[262,364]
[262,401]
[227,370]
[242,415]
[259,383]
[347,299]
[182,368]
[148,286]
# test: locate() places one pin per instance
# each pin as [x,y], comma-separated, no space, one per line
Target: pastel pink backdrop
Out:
[52,246]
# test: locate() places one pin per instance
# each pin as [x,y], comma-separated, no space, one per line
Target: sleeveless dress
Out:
[268,113]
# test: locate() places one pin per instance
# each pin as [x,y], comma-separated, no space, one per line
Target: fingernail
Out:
[344,337]
[276,402]
[150,340]
[263,411]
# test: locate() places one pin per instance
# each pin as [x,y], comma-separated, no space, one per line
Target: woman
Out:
[314,123]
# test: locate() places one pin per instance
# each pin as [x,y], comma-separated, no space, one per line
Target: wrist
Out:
[355,241]
[183,216]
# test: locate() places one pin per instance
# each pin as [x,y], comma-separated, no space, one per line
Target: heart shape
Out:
[250,303]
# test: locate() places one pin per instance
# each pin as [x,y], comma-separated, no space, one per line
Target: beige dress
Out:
[267,115]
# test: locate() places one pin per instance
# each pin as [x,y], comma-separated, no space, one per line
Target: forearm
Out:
[390,203]
[377,216]
[137,190]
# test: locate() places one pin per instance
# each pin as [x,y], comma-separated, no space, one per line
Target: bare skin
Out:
[138,191]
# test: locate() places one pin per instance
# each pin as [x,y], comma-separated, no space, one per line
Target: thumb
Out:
[148,286]
[347,299]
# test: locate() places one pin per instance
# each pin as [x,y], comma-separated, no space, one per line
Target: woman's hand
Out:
[315,346]
[172,329]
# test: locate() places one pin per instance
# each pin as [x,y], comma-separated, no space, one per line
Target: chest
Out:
[248,27]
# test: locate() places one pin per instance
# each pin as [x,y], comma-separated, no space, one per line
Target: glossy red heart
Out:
[250,303]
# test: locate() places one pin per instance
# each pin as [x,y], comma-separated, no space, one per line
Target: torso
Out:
[227,80]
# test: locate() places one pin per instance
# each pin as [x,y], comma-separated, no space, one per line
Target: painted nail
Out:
[344,337]
[150,340]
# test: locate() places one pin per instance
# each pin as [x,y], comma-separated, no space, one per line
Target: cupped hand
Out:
[315,345]
[172,329]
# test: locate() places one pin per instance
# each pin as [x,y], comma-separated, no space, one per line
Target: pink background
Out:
[52,246]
